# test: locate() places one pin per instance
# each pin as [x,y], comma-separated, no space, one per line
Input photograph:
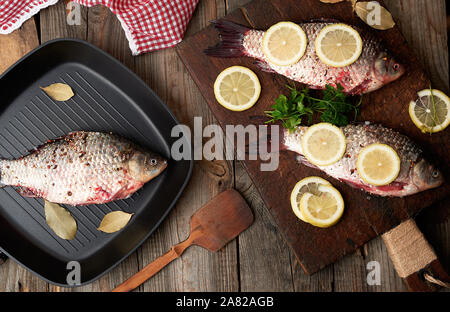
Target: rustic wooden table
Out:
[259,259]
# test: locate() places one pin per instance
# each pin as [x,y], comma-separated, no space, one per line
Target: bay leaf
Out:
[59,91]
[114,221]
[374,15]
[60,220]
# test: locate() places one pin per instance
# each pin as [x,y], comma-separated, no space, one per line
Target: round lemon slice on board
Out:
[306,185]
[237,88]
[338,45]
[284,43]
[378,164]
[323,210]
[431,111]
[323,144]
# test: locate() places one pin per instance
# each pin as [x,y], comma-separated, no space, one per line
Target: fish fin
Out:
[313,87]
[264,67]
[361,88]
[232,38]
[26,192]
[304,161]
[122,193]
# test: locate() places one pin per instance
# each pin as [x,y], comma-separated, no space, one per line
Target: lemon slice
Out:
[378,164]
[307,185]
[430,113]
[323,210]
[338,45]
[323,144]
[284,43]
[237,88]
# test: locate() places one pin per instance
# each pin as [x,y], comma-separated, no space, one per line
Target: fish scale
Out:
[416,173]
[373,69]
[310,70]
[82,168]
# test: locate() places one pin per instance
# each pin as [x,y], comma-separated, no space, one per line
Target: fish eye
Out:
[396,67]
[153,161]
[435,174]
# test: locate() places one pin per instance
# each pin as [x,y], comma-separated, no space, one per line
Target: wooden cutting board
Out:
[365,216]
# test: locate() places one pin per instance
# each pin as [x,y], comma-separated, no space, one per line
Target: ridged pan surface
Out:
[108,98]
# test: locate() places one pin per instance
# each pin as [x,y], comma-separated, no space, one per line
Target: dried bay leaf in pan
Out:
[374,15]
[59,91]
[60,220]
[114,221]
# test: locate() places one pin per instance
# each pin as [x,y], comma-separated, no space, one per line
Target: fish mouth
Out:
[151,170]
[392,76]
[386,69]
[163,166]
[436,184]
[423,177]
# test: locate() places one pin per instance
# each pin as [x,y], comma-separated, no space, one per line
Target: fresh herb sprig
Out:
[333,107]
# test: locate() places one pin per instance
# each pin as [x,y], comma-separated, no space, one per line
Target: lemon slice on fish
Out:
[284,43]
[378,164]
[431,111]
[323,144]
[237,88]
[338,45]
[322,210]
[307,185]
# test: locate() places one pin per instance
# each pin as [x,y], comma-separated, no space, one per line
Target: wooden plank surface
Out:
[17,44]
[315,248]
[249,263]
[199,269]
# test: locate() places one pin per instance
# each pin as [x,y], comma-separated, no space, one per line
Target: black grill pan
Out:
[108,97]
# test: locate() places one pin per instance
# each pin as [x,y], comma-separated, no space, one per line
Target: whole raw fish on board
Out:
[416,173]
[374,68]
[82,168]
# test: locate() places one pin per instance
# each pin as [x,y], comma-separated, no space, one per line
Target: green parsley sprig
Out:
[333,107]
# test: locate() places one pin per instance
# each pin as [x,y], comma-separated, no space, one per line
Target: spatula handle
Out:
[414,259]
[153,268]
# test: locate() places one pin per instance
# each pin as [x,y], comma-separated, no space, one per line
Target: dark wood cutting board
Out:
[365,216]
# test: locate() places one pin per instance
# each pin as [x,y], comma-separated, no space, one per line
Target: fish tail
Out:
[232,38]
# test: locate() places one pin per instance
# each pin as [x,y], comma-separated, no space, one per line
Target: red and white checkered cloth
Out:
[149,24]
[14,12]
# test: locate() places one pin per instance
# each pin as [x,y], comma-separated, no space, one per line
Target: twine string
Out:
[408,248]
[430,278]
[410,252]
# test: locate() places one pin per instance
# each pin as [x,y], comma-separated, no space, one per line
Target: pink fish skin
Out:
[416,173]
[373,69]
[82,168]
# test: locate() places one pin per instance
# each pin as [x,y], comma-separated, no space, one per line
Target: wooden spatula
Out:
[212,227]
